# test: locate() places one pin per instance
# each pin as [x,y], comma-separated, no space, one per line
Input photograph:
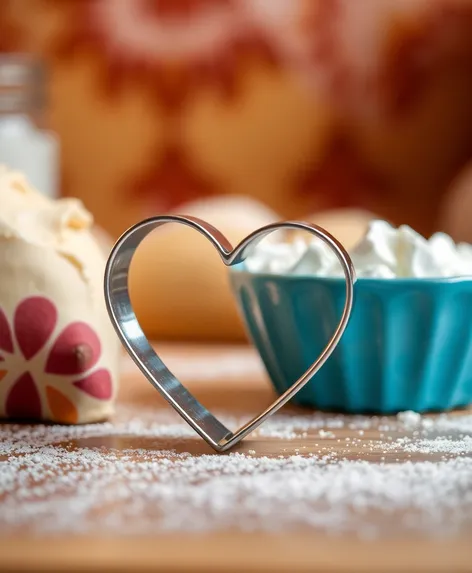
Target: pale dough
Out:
[59,354]
[179,286]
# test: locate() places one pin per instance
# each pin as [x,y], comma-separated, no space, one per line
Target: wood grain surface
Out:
[231,379]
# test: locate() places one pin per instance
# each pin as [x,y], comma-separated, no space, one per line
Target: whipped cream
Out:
[384,252]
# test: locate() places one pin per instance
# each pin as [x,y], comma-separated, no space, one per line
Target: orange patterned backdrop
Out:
[303,104]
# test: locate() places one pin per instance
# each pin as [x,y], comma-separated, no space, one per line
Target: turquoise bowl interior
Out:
[408,344]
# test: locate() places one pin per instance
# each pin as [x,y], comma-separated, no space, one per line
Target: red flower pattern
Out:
[74,353]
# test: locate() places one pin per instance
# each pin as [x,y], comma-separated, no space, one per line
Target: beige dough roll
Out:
[178,284]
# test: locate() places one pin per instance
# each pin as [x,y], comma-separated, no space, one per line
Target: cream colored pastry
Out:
[179,285]
[104,240]
[59,354]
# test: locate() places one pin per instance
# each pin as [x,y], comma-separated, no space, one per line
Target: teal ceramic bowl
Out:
[408,344]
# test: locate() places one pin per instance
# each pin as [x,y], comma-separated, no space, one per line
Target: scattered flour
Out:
[409,418]
[136,475]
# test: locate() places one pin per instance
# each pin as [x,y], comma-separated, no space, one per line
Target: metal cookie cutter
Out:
[137,345]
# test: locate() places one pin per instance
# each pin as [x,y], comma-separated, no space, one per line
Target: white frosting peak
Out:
[383,252]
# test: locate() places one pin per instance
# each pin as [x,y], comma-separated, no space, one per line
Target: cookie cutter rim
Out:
[137,345]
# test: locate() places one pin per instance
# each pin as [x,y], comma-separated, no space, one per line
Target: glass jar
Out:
[26,144]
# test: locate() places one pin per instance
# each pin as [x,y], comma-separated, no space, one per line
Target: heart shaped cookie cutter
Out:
[138,347]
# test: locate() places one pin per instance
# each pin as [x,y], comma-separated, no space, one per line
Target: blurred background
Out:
[301,105]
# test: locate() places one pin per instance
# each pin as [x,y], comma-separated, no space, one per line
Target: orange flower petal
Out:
[3,373]
[62,409]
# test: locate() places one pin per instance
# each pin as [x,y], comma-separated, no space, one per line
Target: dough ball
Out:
[103,238]
[178,284]
[59,354]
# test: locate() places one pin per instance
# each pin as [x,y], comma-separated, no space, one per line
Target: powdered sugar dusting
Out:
[147,472]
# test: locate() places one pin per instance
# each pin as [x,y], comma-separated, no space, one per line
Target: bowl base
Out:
[376,411]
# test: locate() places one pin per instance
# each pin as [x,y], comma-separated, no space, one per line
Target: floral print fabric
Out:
[51,381]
